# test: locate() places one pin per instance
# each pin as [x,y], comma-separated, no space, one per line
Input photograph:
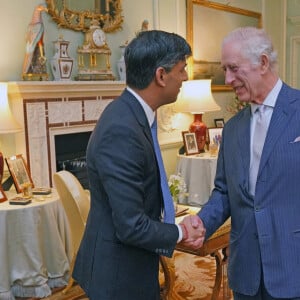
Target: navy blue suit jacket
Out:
[265,230]
[119,254]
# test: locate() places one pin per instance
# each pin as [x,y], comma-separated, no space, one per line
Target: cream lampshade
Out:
[7,122]
[195,97]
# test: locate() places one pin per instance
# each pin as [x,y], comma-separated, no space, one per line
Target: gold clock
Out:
[94,56]
[95,36]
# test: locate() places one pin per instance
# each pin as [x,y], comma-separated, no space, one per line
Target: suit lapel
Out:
[282,113]
[244,140]
[138,112]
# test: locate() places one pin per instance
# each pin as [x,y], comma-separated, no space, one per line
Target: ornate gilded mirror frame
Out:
[207,23]
[80,20]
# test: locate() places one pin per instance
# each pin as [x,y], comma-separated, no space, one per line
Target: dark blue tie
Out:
[169,211]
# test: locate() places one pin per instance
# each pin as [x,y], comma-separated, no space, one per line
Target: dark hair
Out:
[150,50]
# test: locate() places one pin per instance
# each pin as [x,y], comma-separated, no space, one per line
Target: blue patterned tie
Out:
[169,211]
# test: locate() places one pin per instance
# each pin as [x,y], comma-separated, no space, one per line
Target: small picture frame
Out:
[190,143]
[219,123]
[215,135]
[2,195]
[19,171]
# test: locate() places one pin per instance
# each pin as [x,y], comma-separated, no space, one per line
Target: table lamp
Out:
[195,97]
[7,122]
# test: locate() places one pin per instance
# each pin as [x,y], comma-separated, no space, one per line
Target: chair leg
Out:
[69,285]
[167,290]
[71,279]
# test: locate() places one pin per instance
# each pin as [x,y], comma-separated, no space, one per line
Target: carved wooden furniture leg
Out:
[218,279]
[217,242]
[226,290]
[167,291]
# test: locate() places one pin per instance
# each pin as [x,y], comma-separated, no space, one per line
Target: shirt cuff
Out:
[179,233]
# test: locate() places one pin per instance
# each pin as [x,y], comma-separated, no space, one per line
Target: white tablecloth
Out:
[35,248]
[199,174]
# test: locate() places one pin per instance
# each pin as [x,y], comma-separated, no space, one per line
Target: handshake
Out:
[193,232]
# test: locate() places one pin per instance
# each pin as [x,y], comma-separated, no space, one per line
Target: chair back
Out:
[76,202]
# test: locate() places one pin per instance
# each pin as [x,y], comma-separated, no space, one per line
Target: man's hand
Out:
[193,232]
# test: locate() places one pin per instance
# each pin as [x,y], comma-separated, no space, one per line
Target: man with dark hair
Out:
[125,234]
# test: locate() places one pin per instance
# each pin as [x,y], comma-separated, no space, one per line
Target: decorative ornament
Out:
[34,65]
[121,64]
[94,55]
[61,63]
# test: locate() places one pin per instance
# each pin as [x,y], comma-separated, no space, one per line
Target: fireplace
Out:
[52,113]
[70,152]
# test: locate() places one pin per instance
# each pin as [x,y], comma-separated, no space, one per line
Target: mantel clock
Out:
[94,56]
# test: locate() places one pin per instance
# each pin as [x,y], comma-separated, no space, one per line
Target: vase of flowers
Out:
[177,188]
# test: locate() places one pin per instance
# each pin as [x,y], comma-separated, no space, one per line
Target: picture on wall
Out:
[208,23]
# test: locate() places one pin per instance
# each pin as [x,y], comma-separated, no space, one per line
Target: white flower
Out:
[177,185]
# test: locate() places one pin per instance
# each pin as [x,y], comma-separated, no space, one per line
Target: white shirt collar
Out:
[150,114]
[271,98]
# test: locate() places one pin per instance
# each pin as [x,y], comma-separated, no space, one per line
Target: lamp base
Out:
[199,128]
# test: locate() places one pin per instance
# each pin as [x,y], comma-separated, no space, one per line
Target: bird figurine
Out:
[144,27]
[35,60]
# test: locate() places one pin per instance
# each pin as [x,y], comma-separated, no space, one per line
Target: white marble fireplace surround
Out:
[48,108]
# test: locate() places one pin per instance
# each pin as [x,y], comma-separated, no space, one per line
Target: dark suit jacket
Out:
[119,254]
[265,230]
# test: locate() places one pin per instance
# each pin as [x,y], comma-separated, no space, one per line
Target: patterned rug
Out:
[195,278]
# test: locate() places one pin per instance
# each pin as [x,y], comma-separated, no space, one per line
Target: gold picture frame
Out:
[19,171]
[207,23]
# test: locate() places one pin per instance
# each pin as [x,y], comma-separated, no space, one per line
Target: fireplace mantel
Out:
[47,108]
[46,89]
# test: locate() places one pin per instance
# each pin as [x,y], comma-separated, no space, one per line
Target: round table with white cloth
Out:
[199,173]
[35,248]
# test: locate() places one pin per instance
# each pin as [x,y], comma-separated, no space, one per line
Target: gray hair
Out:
[255,42]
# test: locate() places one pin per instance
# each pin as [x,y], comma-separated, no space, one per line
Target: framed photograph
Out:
[215,135]
[190,143]
[2,195]
[19,171]
[219,122]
